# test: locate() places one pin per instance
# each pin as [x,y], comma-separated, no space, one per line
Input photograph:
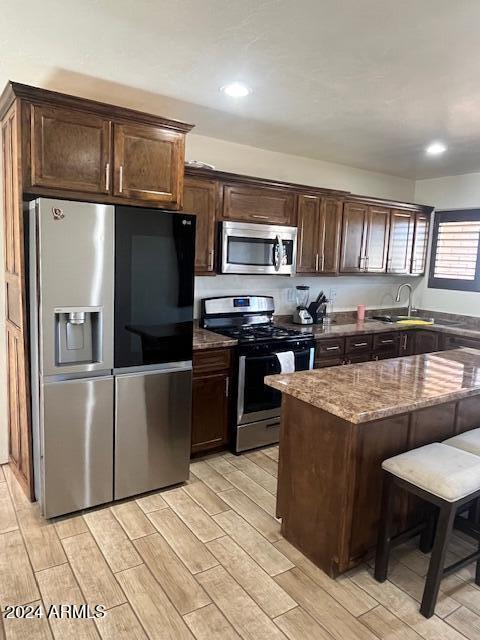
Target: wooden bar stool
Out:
[445,477]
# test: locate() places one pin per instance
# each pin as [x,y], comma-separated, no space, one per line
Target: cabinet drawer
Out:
[330,347]
[361,357]
[211,360]
[322,363]
[357,344]
[385,342]
[258,204]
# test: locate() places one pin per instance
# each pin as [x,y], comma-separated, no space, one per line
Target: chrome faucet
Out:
[410,295]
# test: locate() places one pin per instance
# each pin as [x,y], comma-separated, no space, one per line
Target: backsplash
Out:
[374,292]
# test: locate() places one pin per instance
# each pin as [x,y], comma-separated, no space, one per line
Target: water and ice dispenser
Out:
[78,335]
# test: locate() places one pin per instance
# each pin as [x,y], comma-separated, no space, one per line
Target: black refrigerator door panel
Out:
[154,269]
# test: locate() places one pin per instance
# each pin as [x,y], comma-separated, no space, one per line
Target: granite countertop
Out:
[204,339]
[373,390]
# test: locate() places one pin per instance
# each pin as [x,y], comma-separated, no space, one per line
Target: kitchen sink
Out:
[393,319]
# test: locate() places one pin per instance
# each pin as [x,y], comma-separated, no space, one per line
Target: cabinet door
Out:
[426,342]
[200,198]
[353,237]
[420,241]
[401,238]
[258,204]
[308,242]
[148,163]
[70,150]
[209,411]
[377,239]
[330,227]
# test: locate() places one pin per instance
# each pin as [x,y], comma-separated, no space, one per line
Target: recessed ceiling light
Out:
[436,148]
[236,90]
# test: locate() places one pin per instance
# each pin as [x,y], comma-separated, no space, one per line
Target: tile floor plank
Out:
[255,473]
[117,549]
[19,499]
[210,501]
[157,614]
[256,582]
[174,578]
[387,626]
[345,592]
[297,624]
[264,523]
[58,586]
[120,623]
[27,628]
[43,545]
[208,623]
[466,622]
[92,571]
[2,475]
[264,462]
[237,606]
[209,476]
[133,520]
[271,452]
[8,520]
[193,553]
[339,622]
[17,582]
[254,491]
[220,464]
[262,551]
[71,526]
[196,519]
[151,503]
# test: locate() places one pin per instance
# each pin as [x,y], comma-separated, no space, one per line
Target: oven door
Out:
[258,248]
[256,401]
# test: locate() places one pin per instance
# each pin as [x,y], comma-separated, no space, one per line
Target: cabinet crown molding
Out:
[28,93]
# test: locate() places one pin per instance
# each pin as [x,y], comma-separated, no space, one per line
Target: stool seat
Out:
[444,471]
[468,441]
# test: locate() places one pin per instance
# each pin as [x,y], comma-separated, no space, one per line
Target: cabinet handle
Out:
[360,344]
[332,348]
[316,262]
[323,262]
[404,345]
[227,386]
[259,217]
[107,177]
[210,259]
[121,179]
[386,341]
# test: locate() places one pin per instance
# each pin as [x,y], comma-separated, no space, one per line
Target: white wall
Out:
[451,192]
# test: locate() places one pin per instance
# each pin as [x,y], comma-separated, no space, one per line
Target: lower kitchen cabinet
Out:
[210,399]
[426,341]
[454,342]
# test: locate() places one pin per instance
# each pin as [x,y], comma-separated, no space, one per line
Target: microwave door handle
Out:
[278,253]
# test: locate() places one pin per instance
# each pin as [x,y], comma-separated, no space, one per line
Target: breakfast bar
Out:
[337,427]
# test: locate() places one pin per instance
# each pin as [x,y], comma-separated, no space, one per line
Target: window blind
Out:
[457,250]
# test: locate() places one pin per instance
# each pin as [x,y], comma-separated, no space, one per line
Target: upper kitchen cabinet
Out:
[354,234]
[401,239]
[420,242]
[378,226]
[200,197]
[318,221]
[85,150]
[247,203]
[148,163]
[69,149]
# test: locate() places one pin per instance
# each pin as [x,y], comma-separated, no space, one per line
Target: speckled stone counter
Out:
[373,390]
[203,339]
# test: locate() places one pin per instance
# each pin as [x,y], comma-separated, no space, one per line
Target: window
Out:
[455,259]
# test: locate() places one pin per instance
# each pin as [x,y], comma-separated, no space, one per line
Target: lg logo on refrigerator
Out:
[58,213]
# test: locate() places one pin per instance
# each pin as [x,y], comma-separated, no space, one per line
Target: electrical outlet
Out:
[332,295]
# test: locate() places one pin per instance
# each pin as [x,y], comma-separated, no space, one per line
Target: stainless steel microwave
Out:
[258,248]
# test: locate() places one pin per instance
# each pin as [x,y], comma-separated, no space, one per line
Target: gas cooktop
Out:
[260,333]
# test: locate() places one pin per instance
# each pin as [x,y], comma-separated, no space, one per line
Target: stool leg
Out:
[437,561]
[428,534]
[384,532]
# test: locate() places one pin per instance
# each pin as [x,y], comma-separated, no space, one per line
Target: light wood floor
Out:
[207,561]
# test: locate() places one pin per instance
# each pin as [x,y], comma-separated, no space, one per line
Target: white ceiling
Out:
[368,83]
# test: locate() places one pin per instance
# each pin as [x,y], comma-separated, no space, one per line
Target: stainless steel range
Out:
[263,349]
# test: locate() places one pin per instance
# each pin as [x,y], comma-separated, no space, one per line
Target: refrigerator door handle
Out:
[166,367]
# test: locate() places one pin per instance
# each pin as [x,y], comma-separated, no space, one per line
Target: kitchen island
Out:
[337,427]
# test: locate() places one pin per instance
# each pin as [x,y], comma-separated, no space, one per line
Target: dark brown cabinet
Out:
[148,163]
[329,352]
[200,197]
[318,240]
[401,239]
[426,341]
[378,225]
[420,242]
[258,204]
[354,229]
[385,345]
[70,150]
[210,399]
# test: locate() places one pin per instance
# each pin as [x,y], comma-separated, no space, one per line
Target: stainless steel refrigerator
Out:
[111,322]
